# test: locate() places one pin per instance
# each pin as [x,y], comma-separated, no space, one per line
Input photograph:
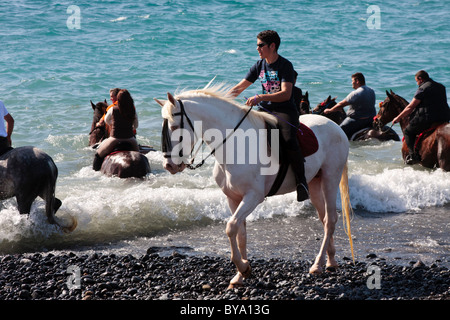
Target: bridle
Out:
[377,120]
[166,141]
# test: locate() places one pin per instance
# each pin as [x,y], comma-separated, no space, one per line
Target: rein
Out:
[167,142]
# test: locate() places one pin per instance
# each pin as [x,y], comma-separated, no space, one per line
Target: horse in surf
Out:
[246,179]
[26,173]
[381,133]
[123,162]
[433,145]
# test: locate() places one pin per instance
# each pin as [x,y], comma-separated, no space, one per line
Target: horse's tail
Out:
[347,210]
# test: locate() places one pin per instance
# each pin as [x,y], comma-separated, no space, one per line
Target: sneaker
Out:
[302,192]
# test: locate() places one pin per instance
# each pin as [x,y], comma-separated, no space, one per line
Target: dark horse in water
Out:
[383,133]
[26,173]
[433,145]
[122,162]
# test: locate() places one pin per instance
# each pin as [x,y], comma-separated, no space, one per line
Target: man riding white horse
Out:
[277,77]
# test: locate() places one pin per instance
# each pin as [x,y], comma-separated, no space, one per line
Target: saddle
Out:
[420,137]
[308,145]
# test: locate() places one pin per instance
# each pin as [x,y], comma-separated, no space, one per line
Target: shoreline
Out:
[181,277]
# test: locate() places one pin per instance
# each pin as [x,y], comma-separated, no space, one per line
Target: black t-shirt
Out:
[271,77]
[433,105]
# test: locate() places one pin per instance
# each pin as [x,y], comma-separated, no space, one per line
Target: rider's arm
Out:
[337,107]
[407,111]
[283,95]
[237,89]
[9,126]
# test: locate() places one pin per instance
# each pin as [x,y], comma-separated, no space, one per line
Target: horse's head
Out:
[389,109]
[97,133]
[337,116]
[174,129]
[304,104]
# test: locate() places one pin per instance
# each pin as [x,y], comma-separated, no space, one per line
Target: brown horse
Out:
[375,132]
[433,145]
[100,133]
[122,162]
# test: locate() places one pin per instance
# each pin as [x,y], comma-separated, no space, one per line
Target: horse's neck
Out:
[221,116]
[399,108]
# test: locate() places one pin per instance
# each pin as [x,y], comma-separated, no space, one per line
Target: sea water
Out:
[57,56]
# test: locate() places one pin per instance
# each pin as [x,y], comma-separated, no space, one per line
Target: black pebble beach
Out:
[180,277]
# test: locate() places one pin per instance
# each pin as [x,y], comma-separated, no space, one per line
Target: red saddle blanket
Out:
[420,137]
[307,140]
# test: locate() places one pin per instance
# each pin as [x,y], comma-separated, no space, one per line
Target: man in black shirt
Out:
[277,78]
[428,106]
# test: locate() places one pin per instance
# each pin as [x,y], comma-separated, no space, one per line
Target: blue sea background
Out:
[52,64]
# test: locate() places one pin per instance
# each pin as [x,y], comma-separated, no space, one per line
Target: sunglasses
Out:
[262,44]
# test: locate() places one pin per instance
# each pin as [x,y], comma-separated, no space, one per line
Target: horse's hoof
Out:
[315,270]
[247,273]
[331,268]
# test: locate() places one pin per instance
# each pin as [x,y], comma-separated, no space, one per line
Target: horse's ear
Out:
[171,98]
[92,105]
[306,94]
[392,92]
[334,98]
[159,102]
[388,94]
[106,102]
[329,98]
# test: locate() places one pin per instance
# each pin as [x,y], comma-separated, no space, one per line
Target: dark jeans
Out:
[4,145]
[411,131]
[351,126]
[288,123]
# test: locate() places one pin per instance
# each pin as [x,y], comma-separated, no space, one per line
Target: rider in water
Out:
[428,106]
[122,119]
[277,78]
[5,131]
[361,104]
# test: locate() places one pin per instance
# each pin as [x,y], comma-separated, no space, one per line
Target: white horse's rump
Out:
[243,184]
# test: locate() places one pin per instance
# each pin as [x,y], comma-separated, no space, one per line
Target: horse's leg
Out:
[329,193]
[237,236]
[24,203]
[238,279]
[318,202]
[443,152]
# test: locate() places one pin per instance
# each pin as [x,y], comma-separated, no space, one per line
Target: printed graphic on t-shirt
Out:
[270,81]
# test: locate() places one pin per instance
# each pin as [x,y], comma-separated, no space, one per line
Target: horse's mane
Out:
[220,91]
[403,102]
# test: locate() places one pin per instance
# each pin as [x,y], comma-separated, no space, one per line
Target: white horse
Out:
[243,183]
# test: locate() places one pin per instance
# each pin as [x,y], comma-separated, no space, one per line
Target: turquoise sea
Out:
[56,56]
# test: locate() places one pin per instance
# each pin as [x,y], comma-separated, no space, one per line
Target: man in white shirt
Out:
[361,104]
[5,131]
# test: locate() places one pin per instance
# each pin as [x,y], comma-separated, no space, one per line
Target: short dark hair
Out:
[423,75]
[360,77]
[269,37]
[114,91]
